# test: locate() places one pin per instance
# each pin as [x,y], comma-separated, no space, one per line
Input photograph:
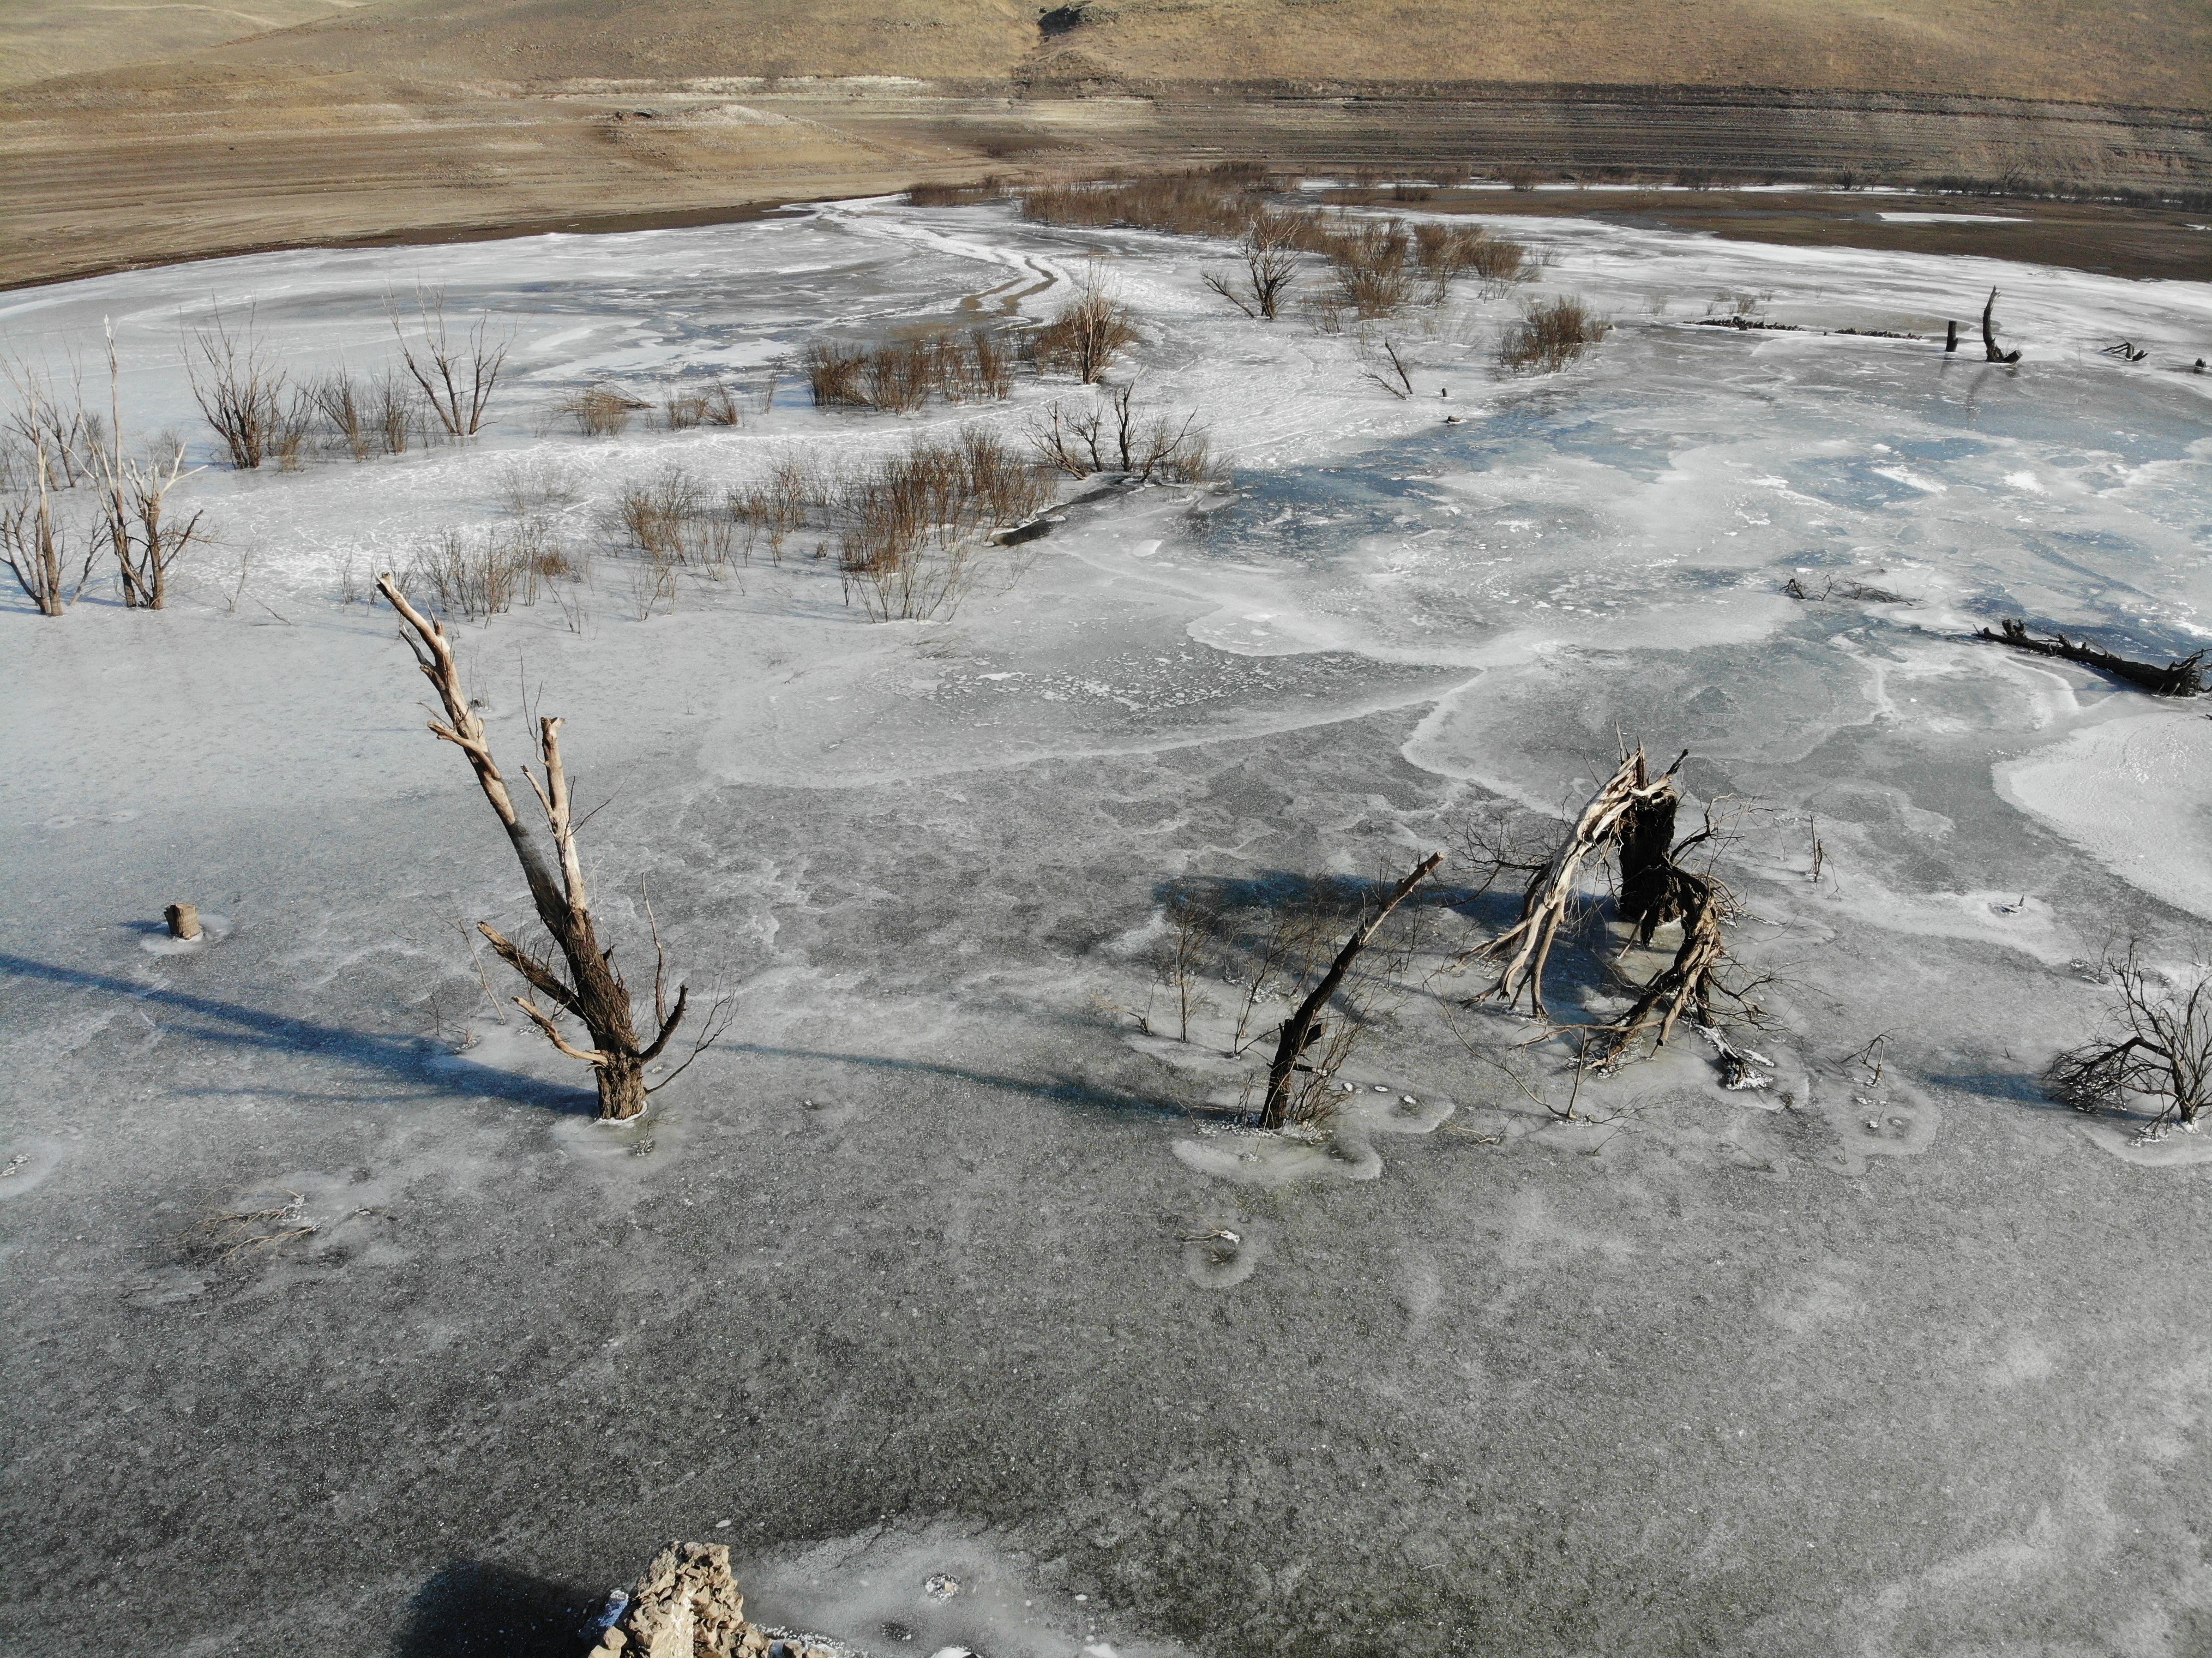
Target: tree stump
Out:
[183,921]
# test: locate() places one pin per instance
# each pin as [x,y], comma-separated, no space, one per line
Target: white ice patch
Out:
[2135,793]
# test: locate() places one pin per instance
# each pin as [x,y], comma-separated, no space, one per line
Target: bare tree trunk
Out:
[1300,1029]
[591,991]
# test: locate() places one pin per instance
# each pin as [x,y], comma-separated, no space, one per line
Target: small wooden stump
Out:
[183,921]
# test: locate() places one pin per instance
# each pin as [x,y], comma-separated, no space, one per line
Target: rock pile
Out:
[687,1605]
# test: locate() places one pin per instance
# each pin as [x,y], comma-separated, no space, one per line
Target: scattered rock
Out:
[687,1606]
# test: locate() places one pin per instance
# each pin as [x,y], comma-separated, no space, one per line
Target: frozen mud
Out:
[338,1326]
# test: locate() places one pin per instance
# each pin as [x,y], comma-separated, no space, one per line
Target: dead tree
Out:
[2184,677]
[2161,1050]
[34,545]
[1549,900]
[591,990]
[1302,1027]
[457,377]
[1270,256]
[1390,374]
[1990,333]
[239,387]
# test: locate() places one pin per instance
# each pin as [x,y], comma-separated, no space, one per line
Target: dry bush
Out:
[1089,330]
[1520,176]
[2159,1050]
[49,558]
[44,420]
[912,524]
[1551,336]
[1270,254]
[781,503]
[1373,263]
[671,518]
[1445,252]
[957,365]
[1187,203]
[241,388]
[682,407]
[1112,434]
[600,411]
[932,194]
[146,538]
[466,578]
[531,486]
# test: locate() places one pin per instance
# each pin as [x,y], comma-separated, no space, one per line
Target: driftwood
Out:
[2184,677]
[591,990]
[1299,1030]
[1989,333]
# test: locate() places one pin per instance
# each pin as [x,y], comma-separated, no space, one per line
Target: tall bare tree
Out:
[590,990]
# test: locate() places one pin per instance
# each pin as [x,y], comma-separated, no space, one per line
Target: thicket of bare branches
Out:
[457,375]
[583,984]
[2158,1049]
[1269,252]
[1553,335]
[49,558]
[1114,433]
[782,502]
[912,527]
[600,411]
[956,365]
[1087,334]
[242,389]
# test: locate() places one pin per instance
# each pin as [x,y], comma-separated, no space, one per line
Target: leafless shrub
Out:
[45,418]
[1372,260]
[457,376]
[590,990]
[683,406]
[1553,335]
[599,411]
[1269,252]
[36,546]
[781,503]
[937,195]
[1520,176]
[1112,433]
[466,577]
[1381,363]
[1187,203]
[2159,1050]
[1089,330]
[671,518]
[146,538]
[912,524]
[241,389]
[531,486]
[958,365]
[346,411]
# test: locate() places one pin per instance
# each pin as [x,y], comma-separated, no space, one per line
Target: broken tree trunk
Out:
[2185,676]
[1990,333]
[1299,1029]
[1951,338]
[183,921]
[591,991]
[1687,982]
[1550,893]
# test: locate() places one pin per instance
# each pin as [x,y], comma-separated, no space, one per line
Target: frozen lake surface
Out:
[914,1274]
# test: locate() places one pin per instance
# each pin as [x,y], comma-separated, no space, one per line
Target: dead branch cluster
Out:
[1627,829]
[1113,432]
[2158,1049]
[1085,336]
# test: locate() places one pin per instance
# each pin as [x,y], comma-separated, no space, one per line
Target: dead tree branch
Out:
[590,990]
[1299,1030]
[2184,677]
[2160,1051]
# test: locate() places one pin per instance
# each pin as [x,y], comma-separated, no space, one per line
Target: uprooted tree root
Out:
[1631,818]
[2184,677]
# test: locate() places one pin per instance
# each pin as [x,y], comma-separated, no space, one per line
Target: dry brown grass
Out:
[912,524]
[1187,203]
[714,404]
[600,411]
[672,519]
